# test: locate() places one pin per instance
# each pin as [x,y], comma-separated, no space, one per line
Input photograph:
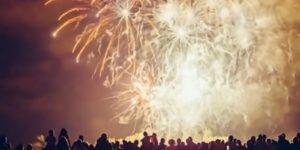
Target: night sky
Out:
[42,87]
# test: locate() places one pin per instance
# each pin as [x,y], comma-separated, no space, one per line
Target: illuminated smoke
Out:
[191,67]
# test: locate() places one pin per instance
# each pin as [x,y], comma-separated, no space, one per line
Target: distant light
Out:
[168,12]
[180,33]
[54,34]
[125,12]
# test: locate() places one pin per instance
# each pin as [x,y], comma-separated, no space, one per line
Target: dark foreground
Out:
[150,142]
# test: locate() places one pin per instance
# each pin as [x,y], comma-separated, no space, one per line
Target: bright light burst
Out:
[188,66]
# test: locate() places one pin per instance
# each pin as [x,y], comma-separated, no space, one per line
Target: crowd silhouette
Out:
[150,142]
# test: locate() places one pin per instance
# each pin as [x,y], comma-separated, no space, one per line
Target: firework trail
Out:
[188,67]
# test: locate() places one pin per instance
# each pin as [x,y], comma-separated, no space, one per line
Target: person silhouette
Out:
[251,143]
[136,145]
[145,142]
[91,147]
[204,146]
[85,145]
[50,141]
[261,143]
[154,141]
[20,147]
[151,143]
[29,147]
[240,146]
[162,145]
[171,145]
[116,146]
[102,143]
[283,144]
[218,145]
[190,145]
[271,145]
[132,146]
[125,145]
[64,133]
[178,144]
[78,145]
[231,143]
[4,145]
[298,138]
[296,143]
[63,144]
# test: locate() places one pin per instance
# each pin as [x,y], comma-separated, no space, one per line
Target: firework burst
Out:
[187,66]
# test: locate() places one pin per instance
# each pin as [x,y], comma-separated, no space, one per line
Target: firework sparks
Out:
[193,65]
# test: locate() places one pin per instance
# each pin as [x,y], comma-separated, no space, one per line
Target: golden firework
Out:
[188,66]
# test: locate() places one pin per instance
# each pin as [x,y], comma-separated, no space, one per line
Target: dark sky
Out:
[41,85]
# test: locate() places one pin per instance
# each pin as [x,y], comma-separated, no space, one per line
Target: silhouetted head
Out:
[81,137]
[136,142]
[187,141]
[178,141]
[3,139]
[253,139]
[64,132]
[29,147]
[239,143]
[298,134]
[20,147]
[79,142]
[230,138]
[162,141]
[283,135]
[295,140]
[51,132]
[264,137]
[103,136]
[171,142]
[279,137]
[124,142]
[91,147]
[154,135]
[260,137]
[145,134]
